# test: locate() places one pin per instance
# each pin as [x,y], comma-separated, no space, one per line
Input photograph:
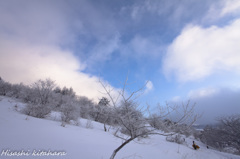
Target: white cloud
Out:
[149,87]
[200,52]
[26,63]
[32,36]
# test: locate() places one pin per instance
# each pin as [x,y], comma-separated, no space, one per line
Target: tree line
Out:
[122,112]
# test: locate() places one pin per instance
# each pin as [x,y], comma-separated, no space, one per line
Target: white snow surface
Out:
[19,132]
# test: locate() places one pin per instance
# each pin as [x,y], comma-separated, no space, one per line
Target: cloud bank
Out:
[33,40]
[214,103]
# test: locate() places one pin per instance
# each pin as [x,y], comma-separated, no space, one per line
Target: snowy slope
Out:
[21,133]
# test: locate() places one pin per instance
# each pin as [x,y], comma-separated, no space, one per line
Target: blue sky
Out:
[188,49]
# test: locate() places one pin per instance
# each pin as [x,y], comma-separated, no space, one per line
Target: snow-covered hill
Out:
[38,138]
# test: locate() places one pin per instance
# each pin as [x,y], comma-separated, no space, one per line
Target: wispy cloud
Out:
[177,12]
[222,9]
[204,92]
[230,7]
[103,50]
[145,47]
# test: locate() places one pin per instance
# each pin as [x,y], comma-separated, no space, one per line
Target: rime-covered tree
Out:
[69,110]
[5,87]
[129,116]
[87,107]
[226,134]
[40,96]
[42,91]
[174,118]
[103,101]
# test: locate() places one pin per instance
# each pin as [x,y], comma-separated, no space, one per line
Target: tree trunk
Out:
[120,147]
[105,128]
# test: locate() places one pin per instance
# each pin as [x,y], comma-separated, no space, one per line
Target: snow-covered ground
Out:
[29,135]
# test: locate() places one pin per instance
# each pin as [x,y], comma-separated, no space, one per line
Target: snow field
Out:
[19,132]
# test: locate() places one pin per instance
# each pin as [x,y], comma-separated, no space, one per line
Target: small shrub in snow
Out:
[69,112]
[16,107]
[176,138]
[231,150]
[89,124]
[27,118]
[77,123]
[63,124]
[39,111]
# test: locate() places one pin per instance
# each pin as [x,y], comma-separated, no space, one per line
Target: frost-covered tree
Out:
[42,91]
[26,94]
[5,87]
[174,118]
[69,111]
[60,96]
[131,119]
[39,97]
[129,116]
[231,128]
[86,107]
[103,102]
[68,91]
[101,110]
[36,110]
[126,115]
[224,135]
[16,90]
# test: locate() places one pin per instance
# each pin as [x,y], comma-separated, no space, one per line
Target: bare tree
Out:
[129,116]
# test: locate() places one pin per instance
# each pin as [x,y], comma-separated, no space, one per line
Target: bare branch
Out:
[108,93]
